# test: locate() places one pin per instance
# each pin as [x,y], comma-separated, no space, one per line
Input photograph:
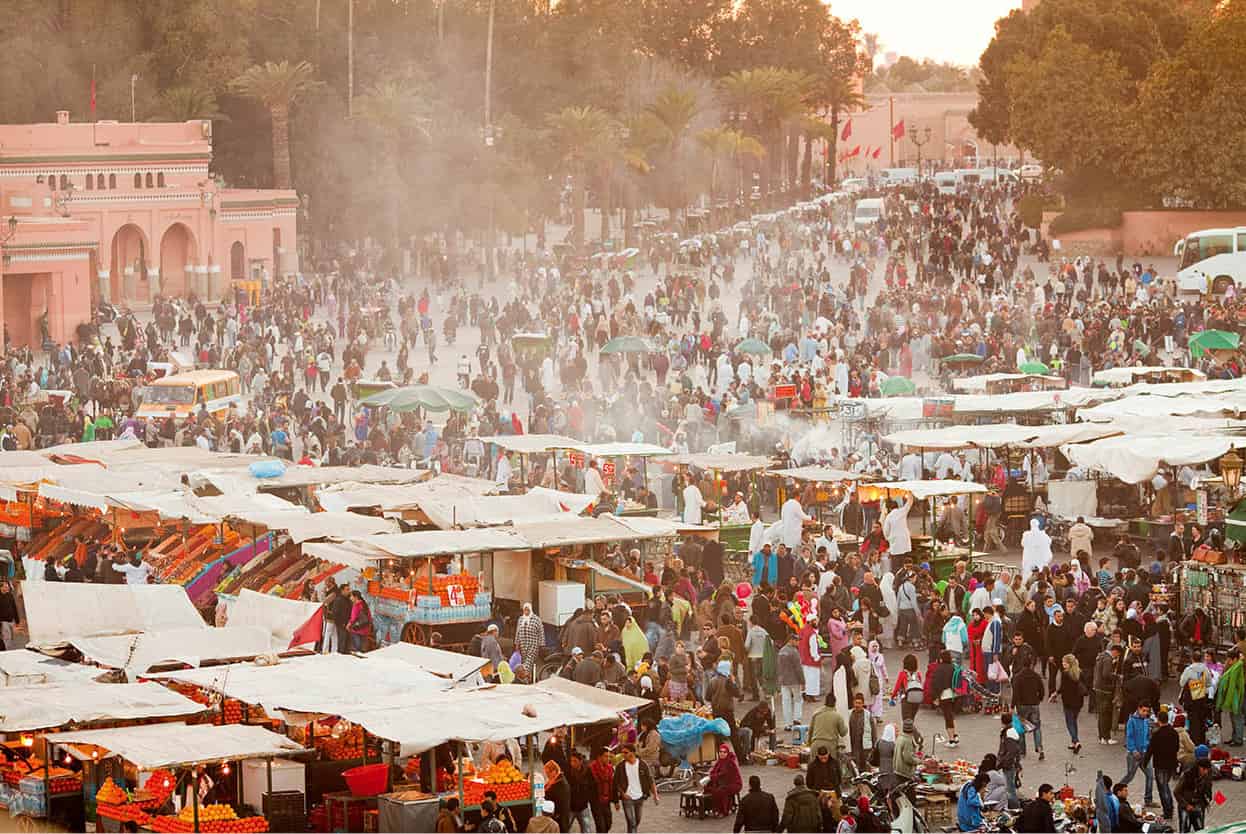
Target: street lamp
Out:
[490,134]
[1231,471]
[12,229]
[925,137]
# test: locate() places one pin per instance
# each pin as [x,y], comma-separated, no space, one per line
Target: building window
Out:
[90,182]
[150,182]
[160,180]
[51,182]
[138,180]
[112,180]
[99,182]
[64,182]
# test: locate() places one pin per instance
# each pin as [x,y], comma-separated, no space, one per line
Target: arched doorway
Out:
[237,262]
[177,254]
[129,263]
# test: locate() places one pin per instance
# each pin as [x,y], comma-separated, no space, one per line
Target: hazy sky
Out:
[953,30]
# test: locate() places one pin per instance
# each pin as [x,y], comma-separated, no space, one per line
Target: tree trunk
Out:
[606,186]
[280,115]
[832,154]
[714,188]
[577,212]
[793,162]
[629,220]
[806,174]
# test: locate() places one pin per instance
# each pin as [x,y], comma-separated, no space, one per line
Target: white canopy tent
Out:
[931,488]
[138,653]
[725,462]
[178,745]
[453,665]
[1134,459]
[999,435]
[22,667]
[57,612]
[303,526]
[47,707]
[277,617]
[819,474]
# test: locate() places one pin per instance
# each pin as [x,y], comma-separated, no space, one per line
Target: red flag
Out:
[1220,798]
[856,151]
[897,132]
[846,132]
[877,151]
[310,631]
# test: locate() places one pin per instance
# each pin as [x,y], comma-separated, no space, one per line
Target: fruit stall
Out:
[173,777]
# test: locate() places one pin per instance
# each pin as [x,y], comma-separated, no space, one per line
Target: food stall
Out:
[942,556]
[832,485]
[174,768]
[722,469]
[615,460]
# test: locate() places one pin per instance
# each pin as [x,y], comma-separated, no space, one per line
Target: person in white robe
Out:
[693,503]
[1035,549]
[792,518]
[896,529]
[594,485]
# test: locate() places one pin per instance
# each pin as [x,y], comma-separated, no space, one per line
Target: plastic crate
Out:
[285,810]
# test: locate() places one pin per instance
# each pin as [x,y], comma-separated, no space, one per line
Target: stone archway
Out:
[177,257]
[237,262]
[129,263]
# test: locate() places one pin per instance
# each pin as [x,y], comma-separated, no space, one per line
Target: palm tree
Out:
[581,135]
[277,87]
[673,110]
[395,110]
[813,128]
[841,96]
[727,143]
[184,104]
[871,45]
[773,98]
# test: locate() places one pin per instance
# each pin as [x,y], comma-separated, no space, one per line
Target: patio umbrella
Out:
[962,359]
[426,397]
[627,344]
[756,346]
[1213,340]
[897,386]
[1033,368]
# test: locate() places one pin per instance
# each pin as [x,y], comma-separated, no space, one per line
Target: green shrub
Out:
[1032,206]
[1080,218]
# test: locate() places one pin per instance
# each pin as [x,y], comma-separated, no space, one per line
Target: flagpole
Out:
[891,131]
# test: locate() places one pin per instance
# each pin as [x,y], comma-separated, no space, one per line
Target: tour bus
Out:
[867,213]
[181,395]
[1211,259]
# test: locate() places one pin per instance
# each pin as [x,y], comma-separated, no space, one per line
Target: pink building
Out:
[124,212]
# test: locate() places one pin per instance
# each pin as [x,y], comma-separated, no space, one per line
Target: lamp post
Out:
[924,138]
[1231,471]
[11,226]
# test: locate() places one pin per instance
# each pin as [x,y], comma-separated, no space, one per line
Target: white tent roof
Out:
[998,435]
[302,526]
[532,443]
[178,745]
[277,617]
[730,462]
[59,611]
[438,662]
[977,384]
[355,554]
[1134,459]
[1126,375]
[492,510]
[928,489]
[614,450]
[1226,404]
[22,667]
[137,653]
[819,474]
[445,542]
[337,497]
[46,707]
[327,684]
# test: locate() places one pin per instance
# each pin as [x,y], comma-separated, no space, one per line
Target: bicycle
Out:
[684,777]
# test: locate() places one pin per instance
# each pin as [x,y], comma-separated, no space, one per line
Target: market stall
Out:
[186,760]
[942,556]
[831,485]
[721,470]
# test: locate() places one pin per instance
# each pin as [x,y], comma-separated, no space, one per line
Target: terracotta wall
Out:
[1143,233]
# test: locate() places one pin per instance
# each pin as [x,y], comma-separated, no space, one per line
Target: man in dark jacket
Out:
[1086,648]
[589,670]
[1027,694]
[340,614]
[583,788]
[9,617]
[758,811]
[801,810]
[1037,815]
[1161,754]
[580,633]
[1126,819]
[1193,795]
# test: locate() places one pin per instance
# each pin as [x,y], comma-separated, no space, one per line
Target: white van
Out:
[867,213]
[897,176]
[1211,259]
[946,182]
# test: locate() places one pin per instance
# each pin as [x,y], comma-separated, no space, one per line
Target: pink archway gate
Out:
[177,256]
[130,258]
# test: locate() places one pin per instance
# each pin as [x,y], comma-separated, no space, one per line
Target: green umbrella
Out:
[756,346]
[962,359]
[627,344]
[426,397]
[897,386]
[1033,368]
[1213,340]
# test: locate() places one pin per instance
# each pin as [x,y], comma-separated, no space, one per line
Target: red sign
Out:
[607,470]
[784,392]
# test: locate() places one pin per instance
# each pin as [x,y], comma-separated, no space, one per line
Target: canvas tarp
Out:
[1126,375]
[327,684]
[929,489]
[48,707]
[603,698]
[181,745]
[355,554]
[277,617]
[526,444]
[819,474]
[616,450]
[304,526]
[999,435]
[719,462]
[59,611]
[1231,404]
[447,542]
[581,530]
[22,667]
[1134,459]
[439,662]
[138,653]
[493,510]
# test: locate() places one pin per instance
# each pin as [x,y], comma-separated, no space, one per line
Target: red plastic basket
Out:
[366,780]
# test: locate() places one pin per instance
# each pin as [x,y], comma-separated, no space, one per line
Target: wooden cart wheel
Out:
[414,633]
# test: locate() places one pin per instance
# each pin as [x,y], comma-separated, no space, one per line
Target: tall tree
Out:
[581,134]
[674,110]
[278,86]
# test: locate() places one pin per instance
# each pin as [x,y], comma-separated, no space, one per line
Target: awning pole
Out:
[194,796]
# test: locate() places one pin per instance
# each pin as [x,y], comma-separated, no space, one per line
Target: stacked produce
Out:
[502,777]
[442,584]
[349,746]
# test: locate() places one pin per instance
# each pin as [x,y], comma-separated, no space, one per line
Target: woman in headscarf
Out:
[558,791]
[956,638]
[837,634]
[810,659]
[885,750]
[880,668]
[635,645]
[725,780]
[977,627]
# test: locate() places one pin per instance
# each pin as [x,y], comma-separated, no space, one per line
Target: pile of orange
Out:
[501,773]
[110,794]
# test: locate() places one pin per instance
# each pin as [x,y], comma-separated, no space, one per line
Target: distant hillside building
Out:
[125,212]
